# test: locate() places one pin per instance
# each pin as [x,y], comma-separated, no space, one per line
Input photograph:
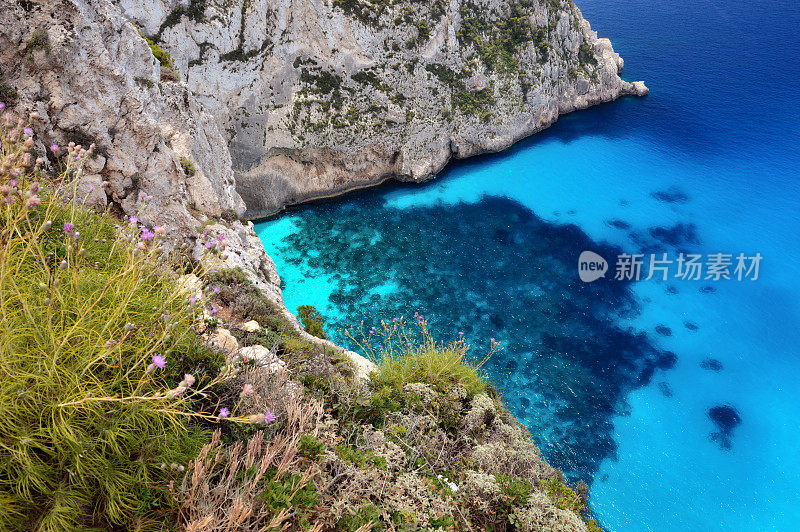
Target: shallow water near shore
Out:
[676,400]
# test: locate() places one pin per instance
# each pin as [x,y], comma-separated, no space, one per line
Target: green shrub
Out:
[91,424]
[563,496]
[169,72]
[188,167]
[310,447]
[439,365]
[359,458]
[291,492]
[39,40]
[8,94]
[312,321]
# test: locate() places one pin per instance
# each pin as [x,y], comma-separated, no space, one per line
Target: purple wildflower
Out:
[193,300]
[159,361]
[224,412]
[12,182]
[208,245]
[216,289]
[2,106]
[54,148]
[69,228]
[133,220]
[269,417]
[214,309]
[28,131]
[147,234]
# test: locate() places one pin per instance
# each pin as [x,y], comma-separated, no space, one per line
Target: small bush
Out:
[312,321]
[39,40]
[310,447]
[8,94]
[188,167]
[169,72]
[404,360]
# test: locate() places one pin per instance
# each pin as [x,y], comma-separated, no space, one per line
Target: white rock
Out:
[263,357]
[250,326]
[223,340]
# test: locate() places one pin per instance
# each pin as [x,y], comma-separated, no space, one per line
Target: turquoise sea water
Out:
[678,401]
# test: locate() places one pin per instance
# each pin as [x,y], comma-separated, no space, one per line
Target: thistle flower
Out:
[54,148]
[216,289]
[224,412]
[28,131]
[256,419]
[269,417]
[214,309]
[2,106]
[176,392]
[159,361]
[147,234]
[192,300]
[69,227]
[247,390]
[133,220]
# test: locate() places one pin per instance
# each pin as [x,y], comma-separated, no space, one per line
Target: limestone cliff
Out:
[321,96]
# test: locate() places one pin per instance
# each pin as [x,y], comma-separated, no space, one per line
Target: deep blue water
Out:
[677,400]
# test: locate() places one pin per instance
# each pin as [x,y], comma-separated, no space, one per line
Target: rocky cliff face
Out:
[91,78]
[320,96]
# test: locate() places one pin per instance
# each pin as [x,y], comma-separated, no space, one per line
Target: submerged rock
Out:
[711,364]
[726,418]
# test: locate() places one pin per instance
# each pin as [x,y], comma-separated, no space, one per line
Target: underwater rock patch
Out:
[726,418]
[619,224]
[491,269]
[671,195]
[711,364]
[677,235]
[663,330]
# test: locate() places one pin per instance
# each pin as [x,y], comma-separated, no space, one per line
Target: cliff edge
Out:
[320,97]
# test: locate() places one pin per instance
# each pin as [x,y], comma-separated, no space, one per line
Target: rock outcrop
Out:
[322,96]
